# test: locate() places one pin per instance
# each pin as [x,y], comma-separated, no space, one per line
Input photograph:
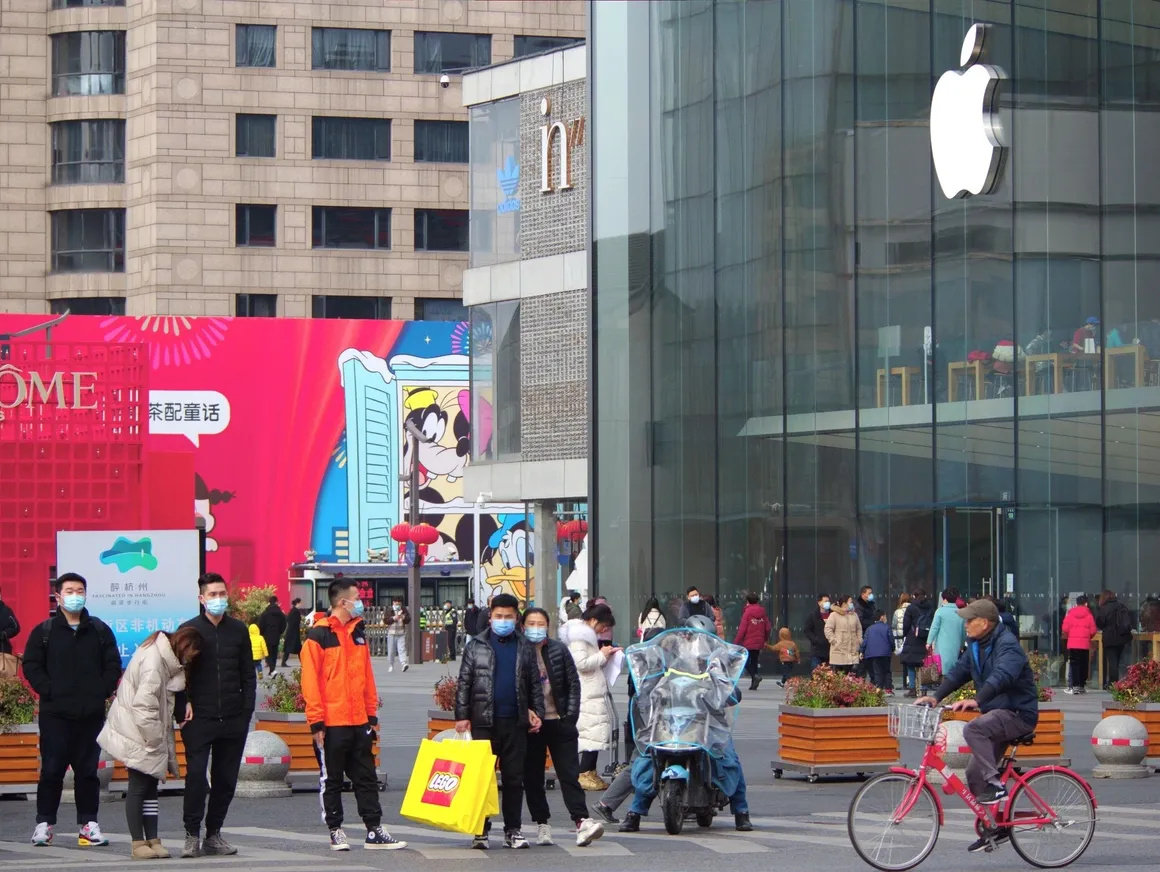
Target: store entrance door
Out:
[974,550]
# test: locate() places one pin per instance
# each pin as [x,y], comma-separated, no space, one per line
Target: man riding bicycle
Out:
[1006,694]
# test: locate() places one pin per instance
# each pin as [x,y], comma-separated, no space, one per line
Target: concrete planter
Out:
[1048,744]
[851,737]
[1147,713]
[19,758]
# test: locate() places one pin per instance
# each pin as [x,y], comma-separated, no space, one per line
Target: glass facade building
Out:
[812,370]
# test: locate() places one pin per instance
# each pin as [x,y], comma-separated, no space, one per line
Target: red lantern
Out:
[581,529]
[401,532]
[561,532]
[424,534]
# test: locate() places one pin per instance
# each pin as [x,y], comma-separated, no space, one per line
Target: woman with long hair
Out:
[596,711]
[138,730]
[651,617]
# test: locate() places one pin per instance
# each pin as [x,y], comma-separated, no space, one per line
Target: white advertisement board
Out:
[139,581]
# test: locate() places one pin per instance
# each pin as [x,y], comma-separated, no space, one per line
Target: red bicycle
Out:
[1049,816]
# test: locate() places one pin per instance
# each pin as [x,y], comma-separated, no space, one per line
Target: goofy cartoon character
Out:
[422,409]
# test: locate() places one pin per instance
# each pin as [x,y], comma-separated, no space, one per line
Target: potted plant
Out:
[442,717]
[833,721]
[19,735]
[1138,694]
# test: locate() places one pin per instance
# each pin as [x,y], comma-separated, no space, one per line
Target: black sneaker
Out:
[1000,837]
[515,839]
[742,823]
[631,823]
[338,840]
[992,794]
[379,839]
[602,812]
[480,843]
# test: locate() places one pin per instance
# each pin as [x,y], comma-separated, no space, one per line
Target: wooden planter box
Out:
[850,736]
[1048,744]
[121,774]
[20,755]
[1147,713]
[438,721]
[295,732]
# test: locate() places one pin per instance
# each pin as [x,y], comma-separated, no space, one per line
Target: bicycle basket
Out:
[914,721]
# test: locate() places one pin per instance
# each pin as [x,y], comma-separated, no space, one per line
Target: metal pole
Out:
[475,554]
[413,572]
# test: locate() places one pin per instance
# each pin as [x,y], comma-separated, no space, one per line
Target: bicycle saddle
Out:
[1023,740]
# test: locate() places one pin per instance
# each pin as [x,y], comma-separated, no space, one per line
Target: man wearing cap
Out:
[1087,331]
[1007,695]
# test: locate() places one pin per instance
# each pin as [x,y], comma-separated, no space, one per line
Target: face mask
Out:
[535,635]
[694,599]
[397,607]
[503,627]
[73,602]
[217,606]
[869,597]
[358,608]
[825,607]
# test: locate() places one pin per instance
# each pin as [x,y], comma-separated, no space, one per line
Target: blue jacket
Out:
[1003,677]
[878,641]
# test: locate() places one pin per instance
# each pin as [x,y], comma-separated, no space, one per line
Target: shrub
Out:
[248,603]
[967,691]
[445,693]
[17,703]
[1140,685]
[286,694]
[826,689]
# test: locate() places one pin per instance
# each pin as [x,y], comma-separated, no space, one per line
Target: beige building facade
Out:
[222,157]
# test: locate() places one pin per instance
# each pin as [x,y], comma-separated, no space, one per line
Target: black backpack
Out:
[923,624]
[1124,626]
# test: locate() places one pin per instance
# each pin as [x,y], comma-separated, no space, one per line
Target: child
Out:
[877,649]
[787,654]
[258,648]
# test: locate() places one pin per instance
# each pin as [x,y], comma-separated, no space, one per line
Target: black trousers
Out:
[879,672]
[223,741]
[350,751]
[63,743]
[1114,657]
[1078,657]
[141,806]
[509,742]
[561,740]
[450,631]
[272,652]
[753,664]
[588,760]
[286,652]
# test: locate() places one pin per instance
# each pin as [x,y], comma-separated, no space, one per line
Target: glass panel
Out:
[495,182]
[88,240]
[256,45]
[256,305]
[441,141]
[339,227]
[88,306]
[367,308]
[530,45]
[439,310]
[88,62]
[345,49]
[451,52]
[256,136]
[256,225]
[73,4]
[507,381]
[352,138]
[88,152]
[482,364]
[441,230]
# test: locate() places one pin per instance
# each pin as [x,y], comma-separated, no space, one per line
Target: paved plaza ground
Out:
[799,825]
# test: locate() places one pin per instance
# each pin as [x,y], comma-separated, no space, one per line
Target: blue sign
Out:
[509,182]
[409,554]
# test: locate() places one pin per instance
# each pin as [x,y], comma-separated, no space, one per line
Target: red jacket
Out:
[1079,626]
[754,628]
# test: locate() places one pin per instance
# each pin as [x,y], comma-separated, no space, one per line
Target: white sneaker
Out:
[91,836]
[544,834]
[1069,690]
[588,831]
[42,835]
[390,669]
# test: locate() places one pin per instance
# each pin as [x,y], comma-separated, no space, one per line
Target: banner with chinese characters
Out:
[139,581]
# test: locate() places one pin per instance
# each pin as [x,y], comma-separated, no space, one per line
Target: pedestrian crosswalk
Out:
[287,850]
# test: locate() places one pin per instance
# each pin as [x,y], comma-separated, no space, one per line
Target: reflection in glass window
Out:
[344,227]
[88,240]
[494,182]
[88,152]
[441,141]
[256,45]
[530,45]
[367,308]
[255,225]
[439,309]
[256,136]
[88,62]
[334,48]
[451,52]
[73,4]
[441,230]
[256,305]
[351,138]
[495,381]
[87,305]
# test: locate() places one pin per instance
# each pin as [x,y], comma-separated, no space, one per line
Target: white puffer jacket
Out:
[595,723]
[139,728]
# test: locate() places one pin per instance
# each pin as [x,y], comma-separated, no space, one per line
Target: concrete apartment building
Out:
[236,157]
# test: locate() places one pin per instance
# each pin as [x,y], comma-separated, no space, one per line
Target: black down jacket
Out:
[475,695]
[564,679]
[221,682]
[73,671]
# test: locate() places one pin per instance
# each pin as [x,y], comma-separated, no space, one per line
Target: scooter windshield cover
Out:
[685,689]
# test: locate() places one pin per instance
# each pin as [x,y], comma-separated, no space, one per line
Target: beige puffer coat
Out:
[139,728]
[595,722]
[844,633]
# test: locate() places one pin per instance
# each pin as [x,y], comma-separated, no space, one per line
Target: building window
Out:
[441,141]
[352,138]
[256,305]
[451,52]
[73,4]
[530,45]
[441,230]
[366,308]
[334,48]
[88,62]
[340,227]
[255,225]
[256,136]
[88,240]
[256,45]
[88,152]
[495,381]
[440,310]
[88,306]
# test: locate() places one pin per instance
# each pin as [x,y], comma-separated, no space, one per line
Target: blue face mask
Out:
[504,627]
[535,635]
[358,608]
[869,597]
[825,607]
[73,602]
[217,606]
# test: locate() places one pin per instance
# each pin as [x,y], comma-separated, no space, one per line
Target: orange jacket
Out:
[337,682]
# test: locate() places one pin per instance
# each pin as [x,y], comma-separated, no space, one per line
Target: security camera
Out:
[444,81]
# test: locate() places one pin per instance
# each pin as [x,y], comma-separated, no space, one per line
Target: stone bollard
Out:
[955,753]
[1120,743]
[104,775]
[265,764]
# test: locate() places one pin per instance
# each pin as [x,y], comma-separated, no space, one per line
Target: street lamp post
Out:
[479,501]
[414,583]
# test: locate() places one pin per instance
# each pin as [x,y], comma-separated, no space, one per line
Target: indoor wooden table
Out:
[1139,358]
[1059,360]
[907,373]
[977,368]
[1149,641]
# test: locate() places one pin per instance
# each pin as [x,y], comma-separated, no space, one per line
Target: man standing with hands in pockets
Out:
[500,698]
[342,709]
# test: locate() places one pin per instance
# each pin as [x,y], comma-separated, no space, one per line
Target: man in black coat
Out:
[221,690]
[816,633]
[471,619]
[272,626]
[73,663]
[292,643]
[864,608]
[9,628]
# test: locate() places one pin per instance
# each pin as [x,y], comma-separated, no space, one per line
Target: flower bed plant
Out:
[18,703]
[1140,685]
[826,689]
[286,694]
[444,695]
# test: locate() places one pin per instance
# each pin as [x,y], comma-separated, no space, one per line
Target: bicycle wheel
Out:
[1061,796]
[885,843]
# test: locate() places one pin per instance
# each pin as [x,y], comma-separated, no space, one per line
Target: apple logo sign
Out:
[966,139]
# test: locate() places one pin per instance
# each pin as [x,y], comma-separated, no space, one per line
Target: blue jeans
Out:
[815,662]
[727,773]
[910,677]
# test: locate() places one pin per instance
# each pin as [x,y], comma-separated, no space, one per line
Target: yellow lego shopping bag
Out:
[452,786]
